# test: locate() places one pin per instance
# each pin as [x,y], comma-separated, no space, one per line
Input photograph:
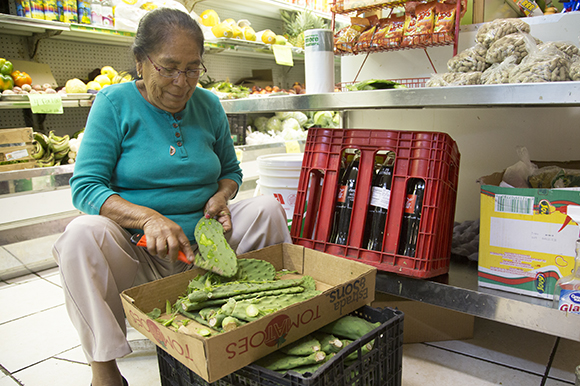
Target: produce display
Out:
[506,52]
[213,27]
[103,78]
[288,126]
[53,150]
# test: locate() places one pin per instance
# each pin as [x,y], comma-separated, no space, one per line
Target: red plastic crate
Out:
[432,156]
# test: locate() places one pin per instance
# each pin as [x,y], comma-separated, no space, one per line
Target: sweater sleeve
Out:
[98,155]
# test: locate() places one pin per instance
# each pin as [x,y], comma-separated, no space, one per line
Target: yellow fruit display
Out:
[75,86]
[266,36]
[281,40]
[109,71]
[209,18]
[230,21]
[102,80]
[238,33]
[249,33]
[94,85]
[223,30]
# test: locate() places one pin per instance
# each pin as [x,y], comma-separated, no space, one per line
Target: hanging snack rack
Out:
[418,40]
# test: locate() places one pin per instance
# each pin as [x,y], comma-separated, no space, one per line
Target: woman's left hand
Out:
[217,207]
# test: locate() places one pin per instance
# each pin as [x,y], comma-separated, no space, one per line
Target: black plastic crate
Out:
[382,366]
[238,123]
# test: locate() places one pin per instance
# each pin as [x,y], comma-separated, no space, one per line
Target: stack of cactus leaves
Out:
[222,303]
[309,353]
[233,291]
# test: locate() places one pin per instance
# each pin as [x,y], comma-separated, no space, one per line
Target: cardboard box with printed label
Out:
[526,240]
[345,285]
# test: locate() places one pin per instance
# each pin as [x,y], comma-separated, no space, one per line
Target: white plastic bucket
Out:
[279,175]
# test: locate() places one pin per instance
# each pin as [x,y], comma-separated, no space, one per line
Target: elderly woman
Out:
[157,155]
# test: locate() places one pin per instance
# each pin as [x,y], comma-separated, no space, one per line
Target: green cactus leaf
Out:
[215,254]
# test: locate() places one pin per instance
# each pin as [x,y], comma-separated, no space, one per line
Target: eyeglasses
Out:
[174,73]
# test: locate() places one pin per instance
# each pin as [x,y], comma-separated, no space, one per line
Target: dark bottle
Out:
[344,202]
[411,217]
[378,207]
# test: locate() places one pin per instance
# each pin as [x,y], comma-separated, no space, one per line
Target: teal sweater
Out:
[151,158]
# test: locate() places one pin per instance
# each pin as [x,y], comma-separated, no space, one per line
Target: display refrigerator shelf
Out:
[553,94]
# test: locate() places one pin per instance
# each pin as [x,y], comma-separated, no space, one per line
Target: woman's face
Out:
[179,52]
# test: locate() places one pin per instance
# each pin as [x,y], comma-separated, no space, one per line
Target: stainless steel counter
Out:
[458,290]
[504,95]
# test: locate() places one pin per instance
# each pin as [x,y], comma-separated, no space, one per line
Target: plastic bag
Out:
[517,175]
[128,14]
[499,73]
[517,44]
[554,177]
[548,64]
[492,31]
[454,79]
[567,48]
[575,69]
[471,59]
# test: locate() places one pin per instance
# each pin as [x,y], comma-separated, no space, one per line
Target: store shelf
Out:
[504,95]
[23,26]
[458,290]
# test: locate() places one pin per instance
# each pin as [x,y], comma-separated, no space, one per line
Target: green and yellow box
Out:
[526,240]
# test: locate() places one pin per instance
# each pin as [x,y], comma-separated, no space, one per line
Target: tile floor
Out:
[39,347]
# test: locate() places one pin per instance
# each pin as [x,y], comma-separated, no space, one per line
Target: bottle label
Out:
[570,301]
[410,203]
[380,197]
[341,194]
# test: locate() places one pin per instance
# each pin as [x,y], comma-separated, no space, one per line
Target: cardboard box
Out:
[16,145]
[525,245]
[346,286]
[259,78]
[426,322]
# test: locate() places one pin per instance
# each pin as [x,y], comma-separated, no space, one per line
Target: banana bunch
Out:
[50,150]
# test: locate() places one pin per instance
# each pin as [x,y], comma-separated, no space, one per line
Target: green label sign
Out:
[45,103]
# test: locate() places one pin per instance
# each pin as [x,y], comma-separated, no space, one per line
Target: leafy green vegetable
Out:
[375,84]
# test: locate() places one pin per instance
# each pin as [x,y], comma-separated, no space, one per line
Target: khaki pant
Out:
[97,261]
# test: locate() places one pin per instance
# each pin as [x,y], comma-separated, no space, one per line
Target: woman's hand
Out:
[165,238]
[217,205]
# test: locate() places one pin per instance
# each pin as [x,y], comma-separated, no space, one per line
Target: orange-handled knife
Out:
[141,241]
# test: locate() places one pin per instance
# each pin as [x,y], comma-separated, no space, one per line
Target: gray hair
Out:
[156,26]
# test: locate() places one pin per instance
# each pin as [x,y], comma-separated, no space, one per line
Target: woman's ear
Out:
[139,68]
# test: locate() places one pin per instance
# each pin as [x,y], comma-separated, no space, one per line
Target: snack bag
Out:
[364,40]
[444,29]
[382,28]
[394,35]
[419,25]
[348,38]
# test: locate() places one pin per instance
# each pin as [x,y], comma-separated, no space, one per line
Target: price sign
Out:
[283,55]
[45,103]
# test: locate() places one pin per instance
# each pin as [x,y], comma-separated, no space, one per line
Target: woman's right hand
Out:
[165,238]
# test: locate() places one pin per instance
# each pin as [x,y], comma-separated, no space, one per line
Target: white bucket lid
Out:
[284,160]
